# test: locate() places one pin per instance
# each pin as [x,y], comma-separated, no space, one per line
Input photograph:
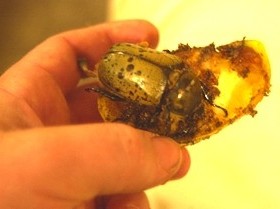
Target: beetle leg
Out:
[83,65]
[103,92]
[208,99]
[161,119]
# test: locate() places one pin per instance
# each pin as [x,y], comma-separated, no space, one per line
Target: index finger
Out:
[50,71]
[59,54]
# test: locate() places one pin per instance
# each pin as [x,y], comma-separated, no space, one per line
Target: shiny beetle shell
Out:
[188,94]
[148,77]
[132,78]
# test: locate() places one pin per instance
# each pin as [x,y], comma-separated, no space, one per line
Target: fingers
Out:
[90,43]
[83,106]
[50,71]
[15,114]
[79,162]
[96,41]
[58,55]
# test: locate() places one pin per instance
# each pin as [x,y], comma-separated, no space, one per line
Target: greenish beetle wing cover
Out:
[235,77]
[129,82]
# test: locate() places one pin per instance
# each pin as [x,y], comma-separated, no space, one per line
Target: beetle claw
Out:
[103,92]
[83,65]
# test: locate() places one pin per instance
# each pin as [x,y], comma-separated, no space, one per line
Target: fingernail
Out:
[171,157]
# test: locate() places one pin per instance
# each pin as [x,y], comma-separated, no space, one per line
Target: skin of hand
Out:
[54,152]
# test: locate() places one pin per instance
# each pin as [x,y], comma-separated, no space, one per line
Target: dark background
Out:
[24,24]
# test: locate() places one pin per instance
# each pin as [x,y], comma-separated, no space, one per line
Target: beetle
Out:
[160,93]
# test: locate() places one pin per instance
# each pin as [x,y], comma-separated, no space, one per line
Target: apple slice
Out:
[234,78]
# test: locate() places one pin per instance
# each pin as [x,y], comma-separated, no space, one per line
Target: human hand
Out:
[52,155]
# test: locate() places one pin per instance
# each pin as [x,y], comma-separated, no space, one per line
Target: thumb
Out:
[83,161]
